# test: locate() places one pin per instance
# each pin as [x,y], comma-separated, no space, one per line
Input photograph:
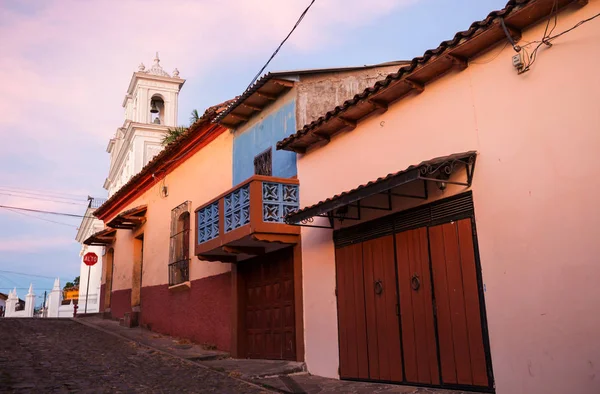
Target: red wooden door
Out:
[270,319]
[381,303]
[352,326]
[462,353]
[416,307]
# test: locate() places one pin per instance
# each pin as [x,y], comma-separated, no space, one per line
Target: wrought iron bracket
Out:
[307,223]
[443,171]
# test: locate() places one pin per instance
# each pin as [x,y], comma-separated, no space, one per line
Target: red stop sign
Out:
[90,258]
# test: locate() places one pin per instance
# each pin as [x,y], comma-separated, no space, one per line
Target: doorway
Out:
[110,259]
[267,299]
[410,303]
[136,277]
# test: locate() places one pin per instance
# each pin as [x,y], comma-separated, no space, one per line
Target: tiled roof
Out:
[457,50]
[290,73]
[166,154]
[378,185]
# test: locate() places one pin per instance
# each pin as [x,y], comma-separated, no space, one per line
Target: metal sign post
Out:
[89,259]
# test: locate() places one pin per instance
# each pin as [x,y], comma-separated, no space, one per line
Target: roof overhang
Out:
[101,238]
[439,170]
[413,78]
[272,85]
[129,219]
[263,93]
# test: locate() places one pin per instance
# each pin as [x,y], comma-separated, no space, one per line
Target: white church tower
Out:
[150,110]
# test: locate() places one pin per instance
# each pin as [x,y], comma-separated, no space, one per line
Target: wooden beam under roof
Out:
[252,107]
[283,82]
[240,117]
[249,250]
[267,96]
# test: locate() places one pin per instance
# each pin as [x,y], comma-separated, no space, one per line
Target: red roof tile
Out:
[297,142]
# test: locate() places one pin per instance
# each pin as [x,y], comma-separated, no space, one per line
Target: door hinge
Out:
[336,294]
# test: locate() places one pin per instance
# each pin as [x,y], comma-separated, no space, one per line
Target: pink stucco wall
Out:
[200,178]
[535,198]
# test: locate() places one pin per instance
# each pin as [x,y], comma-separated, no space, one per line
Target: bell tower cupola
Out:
[152,95]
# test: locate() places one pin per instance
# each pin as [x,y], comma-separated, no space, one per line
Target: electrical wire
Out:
[8,279]
[46,192]
[574,27]
[43,199]
[44,219]
[26,274]
[37,195]
[280,45]
[47,212]
[548,37]
[495,56]
[9,190]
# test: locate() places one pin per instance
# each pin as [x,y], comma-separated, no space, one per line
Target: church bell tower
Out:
[150,110]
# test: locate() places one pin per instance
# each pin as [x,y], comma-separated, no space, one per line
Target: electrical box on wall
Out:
[517,61]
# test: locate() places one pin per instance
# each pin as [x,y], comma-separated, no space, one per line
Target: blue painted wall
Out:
[261,136]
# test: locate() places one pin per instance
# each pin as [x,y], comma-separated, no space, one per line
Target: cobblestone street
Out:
[52,356]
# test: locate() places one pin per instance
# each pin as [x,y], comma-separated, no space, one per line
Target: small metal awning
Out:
[129,219]
[437,170]
[101,238]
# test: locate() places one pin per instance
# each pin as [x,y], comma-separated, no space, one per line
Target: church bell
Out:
[153,108]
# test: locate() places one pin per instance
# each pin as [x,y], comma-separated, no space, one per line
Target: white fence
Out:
[13,300]
[53,306]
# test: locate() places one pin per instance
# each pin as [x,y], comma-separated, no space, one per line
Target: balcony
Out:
[247,220]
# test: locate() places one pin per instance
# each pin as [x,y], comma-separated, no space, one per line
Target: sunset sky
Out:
[65,67]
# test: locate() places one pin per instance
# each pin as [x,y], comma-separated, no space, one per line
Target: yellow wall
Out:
[200,178]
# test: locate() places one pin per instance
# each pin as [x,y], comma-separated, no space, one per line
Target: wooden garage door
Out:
[367,305]
[352,320]
[429,277]
[416,306]
[269,304]
[462,353]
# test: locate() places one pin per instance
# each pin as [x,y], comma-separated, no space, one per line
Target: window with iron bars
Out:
[179,256]
[263,163]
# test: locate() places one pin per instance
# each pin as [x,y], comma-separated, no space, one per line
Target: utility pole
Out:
[44,305]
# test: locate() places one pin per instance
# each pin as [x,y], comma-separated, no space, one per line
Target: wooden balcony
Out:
[247,220]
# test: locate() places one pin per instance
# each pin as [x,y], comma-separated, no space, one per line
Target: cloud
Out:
[32,245]
[66,65]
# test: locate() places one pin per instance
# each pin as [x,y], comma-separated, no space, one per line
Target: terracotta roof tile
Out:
[459,38]
[167,153]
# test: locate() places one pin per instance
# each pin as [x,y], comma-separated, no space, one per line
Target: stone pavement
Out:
[177,347]
[280,376]
[63,356]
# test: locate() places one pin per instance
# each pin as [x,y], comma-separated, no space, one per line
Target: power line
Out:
[25,274]
[43,191]
[280,45]
[47,212]
[43,199]
[44,219]
[51,195]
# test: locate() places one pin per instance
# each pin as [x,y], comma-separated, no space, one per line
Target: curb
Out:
[185,360]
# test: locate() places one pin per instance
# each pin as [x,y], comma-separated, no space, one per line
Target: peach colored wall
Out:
[535,198]
[200,178]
